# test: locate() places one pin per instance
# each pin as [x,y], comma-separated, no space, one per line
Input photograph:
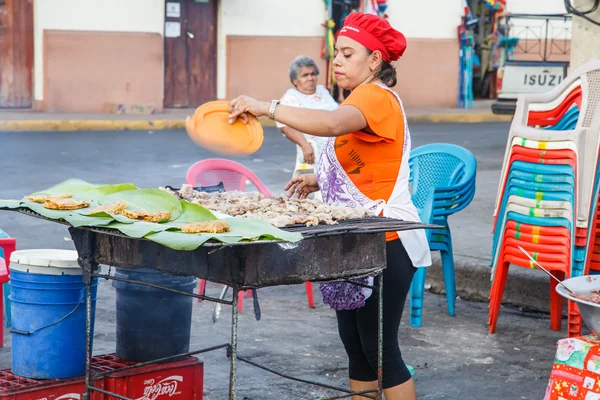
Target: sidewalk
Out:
[175,119]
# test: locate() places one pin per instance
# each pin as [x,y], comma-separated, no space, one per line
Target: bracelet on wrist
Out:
[274,104]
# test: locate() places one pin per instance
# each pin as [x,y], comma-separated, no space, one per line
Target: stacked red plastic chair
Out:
[548,193]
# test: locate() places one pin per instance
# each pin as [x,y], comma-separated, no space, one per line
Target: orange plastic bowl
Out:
[209,128]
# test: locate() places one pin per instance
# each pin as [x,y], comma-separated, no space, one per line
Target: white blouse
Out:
[320,100]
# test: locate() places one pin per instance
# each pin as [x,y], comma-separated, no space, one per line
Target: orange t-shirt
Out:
[372,160]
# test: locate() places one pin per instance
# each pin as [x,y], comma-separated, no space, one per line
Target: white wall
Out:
[264,18]
[273,17]
[91,15]
[535,6]
[435,19]
[527,28]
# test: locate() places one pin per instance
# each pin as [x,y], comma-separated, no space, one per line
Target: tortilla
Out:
[65,204]
[218,226]
[156,216]
[116,207]
[42,199]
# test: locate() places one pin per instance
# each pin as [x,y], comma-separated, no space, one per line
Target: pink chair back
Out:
[8,245]
[3,271]
[233,175]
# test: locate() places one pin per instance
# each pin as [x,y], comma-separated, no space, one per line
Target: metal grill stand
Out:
[241,266]
[349,250]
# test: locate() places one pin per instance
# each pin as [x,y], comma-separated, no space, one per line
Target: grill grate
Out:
[362,225]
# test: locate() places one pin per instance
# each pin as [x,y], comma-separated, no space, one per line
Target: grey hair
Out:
[299,63]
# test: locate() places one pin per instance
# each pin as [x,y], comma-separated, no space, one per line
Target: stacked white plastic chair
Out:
[548,193]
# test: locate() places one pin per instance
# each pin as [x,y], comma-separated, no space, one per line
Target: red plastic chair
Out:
[552,247]
[560,268]
[552,117]
[8,245]
[234,176]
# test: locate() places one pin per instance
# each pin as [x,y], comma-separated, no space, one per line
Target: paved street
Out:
[455,358]
[36,160]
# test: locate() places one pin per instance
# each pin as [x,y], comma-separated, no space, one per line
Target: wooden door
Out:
[16,53]
[190,52]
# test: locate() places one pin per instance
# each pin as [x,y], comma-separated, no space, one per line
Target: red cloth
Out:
[375,33]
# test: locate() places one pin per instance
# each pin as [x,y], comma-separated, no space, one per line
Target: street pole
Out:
[585,38]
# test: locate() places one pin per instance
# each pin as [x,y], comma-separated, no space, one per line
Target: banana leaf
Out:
[242,230]
[71,186]
[147,200]
[9,204]
[194,213]
[168,234]
[185,241]
[82,190]
[73,217]
[138,199]
[139,229]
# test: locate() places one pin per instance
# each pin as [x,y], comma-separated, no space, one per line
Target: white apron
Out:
[337,188]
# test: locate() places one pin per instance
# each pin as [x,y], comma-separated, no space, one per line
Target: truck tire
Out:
[504,107]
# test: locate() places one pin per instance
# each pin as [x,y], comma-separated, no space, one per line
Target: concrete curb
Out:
[525,288]
[163,124]
[89,125]
[462,118]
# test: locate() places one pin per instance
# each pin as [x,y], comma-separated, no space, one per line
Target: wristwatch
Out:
[274,104]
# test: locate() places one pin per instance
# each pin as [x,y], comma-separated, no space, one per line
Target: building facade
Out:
[82,55]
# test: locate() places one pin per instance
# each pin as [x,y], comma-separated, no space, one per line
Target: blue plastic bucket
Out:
[48,310]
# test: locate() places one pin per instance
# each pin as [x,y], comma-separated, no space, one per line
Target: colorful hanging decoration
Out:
[369,7]
[376,7]
[465,78]
[328,51]
[495,5]
[468,17]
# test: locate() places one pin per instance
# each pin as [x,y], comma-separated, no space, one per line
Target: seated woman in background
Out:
[306,94]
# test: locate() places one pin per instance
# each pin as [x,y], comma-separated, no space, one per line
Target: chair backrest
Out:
[233,175]
[7,246]
[439,166]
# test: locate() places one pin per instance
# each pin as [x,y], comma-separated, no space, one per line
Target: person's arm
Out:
[344,120]
[298,138]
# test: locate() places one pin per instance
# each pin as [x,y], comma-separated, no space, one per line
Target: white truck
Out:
[538,59]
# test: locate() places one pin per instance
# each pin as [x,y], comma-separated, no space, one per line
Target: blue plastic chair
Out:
[537,221]
[417,288]
[535,181]
[539,182]
[533,190]
[568,122]
[443,183]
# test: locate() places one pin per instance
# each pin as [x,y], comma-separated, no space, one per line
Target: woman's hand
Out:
[308,152]
[243,105]
[190,126]
[302,186]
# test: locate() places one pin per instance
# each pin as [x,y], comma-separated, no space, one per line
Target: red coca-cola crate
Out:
[176,380]
[13,387]
[182,380]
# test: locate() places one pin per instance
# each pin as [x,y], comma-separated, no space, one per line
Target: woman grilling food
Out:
[364,164]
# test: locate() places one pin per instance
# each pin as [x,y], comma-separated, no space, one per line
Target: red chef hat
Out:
[375,33]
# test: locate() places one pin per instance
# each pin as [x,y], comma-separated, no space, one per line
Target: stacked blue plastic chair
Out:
[443,183]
